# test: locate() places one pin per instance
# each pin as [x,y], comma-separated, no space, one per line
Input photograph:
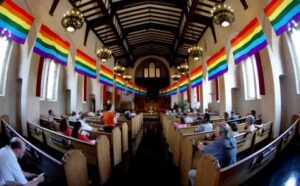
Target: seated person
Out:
[206,125]
[109,120]
[224,149]
[225,116]
[84,125]
[51,115]
[181,124]
[233,116]
[127,114]
[73,117]
[187,118]
[10,170]
[76,133]
[249,124]
[133,114]
[253,113]
[234,128]
[199,117]
[64,128]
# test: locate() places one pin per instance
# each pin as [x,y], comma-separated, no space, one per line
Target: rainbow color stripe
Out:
[130,87]
[197,76]
[49,45]
[106,76]
[249,41]
[174,89]
[143,91]
[217,64]
[120,83]
[84,64]
[283,13]
[183,84]
[14,21]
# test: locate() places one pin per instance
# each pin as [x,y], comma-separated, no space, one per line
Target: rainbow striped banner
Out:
[282,14]
[49,45]
[84,64]
[106,76]
[120,83]
[15,22]
[173,89]
[217,64]
[130,87]
[249,41]
[143,91]
[197,76]
[183,84]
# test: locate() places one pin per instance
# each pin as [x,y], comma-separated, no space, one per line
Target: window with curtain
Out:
[5,49]
[251,84]
[50,78]
[294,37]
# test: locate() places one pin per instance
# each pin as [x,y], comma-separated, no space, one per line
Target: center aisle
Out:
[151,165]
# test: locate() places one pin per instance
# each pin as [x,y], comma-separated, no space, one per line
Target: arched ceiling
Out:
[136,28]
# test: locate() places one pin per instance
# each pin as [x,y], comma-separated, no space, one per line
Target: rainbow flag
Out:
[143,90]
[84,64]
[183,84]
[173,89]
[249,41]
[217,64]
[106,76]
[120,83]
[49,45]
[283,13]
[197,76]
[130,87]
[15,22]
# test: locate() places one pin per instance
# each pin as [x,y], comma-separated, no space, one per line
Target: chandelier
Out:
[119,69]
[183,68]
[127,77]
[104,53]
[175,77]
[72,20]
[222,14]
[196,52]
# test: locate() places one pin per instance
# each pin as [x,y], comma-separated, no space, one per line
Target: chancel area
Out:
[149,92]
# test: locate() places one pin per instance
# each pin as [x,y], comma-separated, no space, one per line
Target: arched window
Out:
[250,79]
[294,39]
[50,80]
[152,71]
[5,49]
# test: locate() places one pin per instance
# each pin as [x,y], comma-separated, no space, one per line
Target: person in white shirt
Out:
[187,118]
[206,125]
[10,170]
[133,114]
[73,117]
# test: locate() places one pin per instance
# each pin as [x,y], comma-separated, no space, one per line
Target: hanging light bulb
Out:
[104,53]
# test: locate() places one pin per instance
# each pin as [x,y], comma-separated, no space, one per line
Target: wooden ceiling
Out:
[136,28]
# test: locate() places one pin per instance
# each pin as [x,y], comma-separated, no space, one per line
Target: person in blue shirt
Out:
[233,116]
[224,149]
[51,115]
[206,125]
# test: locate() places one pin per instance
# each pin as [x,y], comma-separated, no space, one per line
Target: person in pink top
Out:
[76,133]
[64,128]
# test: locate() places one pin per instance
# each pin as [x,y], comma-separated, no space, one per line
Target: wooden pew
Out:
[245,168]
[57,172]
[189,155]
[97,154]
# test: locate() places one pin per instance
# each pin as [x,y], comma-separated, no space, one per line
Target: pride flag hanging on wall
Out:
[249,41]
[282,14]
[217,64]
[49,45]
[106,76]
[120,83]
[197,76]
[130,87]
[15,22]
[84,64]
[183,84]
[173,89]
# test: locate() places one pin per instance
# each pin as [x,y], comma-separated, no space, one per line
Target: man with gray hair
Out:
[10,170]
[223,149]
